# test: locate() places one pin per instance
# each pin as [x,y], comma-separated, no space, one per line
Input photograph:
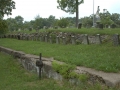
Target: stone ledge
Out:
[29,62]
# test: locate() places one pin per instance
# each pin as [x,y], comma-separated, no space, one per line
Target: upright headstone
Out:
[46,38]
[85,39]
[41,38]
[37,37]
[73,40]
[31,37]
[116,40]
[57,40]
[79,25]
[50,39]
[64,40]
[98,39]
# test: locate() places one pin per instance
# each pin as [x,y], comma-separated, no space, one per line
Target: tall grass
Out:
[103,57]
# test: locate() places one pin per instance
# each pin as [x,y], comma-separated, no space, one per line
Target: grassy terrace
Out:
[14,77]
[103,57]
[91,31]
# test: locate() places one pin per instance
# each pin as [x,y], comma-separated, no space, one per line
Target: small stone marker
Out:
[40,37]
[116,40]
[98,39]
[85,39]
[73,40]
[50,39]
[57,40]
[64,40]
[46,38]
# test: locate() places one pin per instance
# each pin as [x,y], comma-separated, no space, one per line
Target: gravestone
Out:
[40,37]
[97,16]
[79,25]
[32,37]
[46,38]
[73,40]
[37,37]
[43,38]
[57,40]
[64,40]
[18,36]
[85,39]
[50,38]
[98,39]
[116,40]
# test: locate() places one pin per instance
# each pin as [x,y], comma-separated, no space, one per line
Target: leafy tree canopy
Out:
[6,7]
[3,26]
[69,5]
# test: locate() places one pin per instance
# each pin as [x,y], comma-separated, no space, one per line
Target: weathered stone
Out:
[50,38]
[73,40]
[116,40]
[64,40]
[85,39]
[46,38]
[32,38]
[79,25]
[98,39]
[57,40]
[40,37]
[28,62]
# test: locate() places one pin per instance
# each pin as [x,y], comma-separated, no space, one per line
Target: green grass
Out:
[103,57]
[14,77]
[91,31]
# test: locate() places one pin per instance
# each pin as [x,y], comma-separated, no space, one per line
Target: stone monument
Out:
[97,16]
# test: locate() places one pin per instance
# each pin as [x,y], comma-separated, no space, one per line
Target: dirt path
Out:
[110,79]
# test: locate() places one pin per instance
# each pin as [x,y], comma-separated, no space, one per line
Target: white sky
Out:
[29,9]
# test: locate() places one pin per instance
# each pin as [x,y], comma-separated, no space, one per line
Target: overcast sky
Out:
[29,9]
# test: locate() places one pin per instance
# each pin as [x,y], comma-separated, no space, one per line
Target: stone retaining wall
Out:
[29,63]
[66,38]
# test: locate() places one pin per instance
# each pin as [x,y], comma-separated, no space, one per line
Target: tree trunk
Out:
[77,13]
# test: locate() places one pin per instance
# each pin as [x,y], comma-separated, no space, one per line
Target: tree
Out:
[105,18]
[3,26]
[19,22]
[11,24]
[27,25]
[40,22]
[87,21]
[70,6]
[63,22]
[6,7]
[115,17]
[51,20]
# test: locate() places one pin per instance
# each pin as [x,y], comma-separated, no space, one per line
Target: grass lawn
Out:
[103,57]
[14,77]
